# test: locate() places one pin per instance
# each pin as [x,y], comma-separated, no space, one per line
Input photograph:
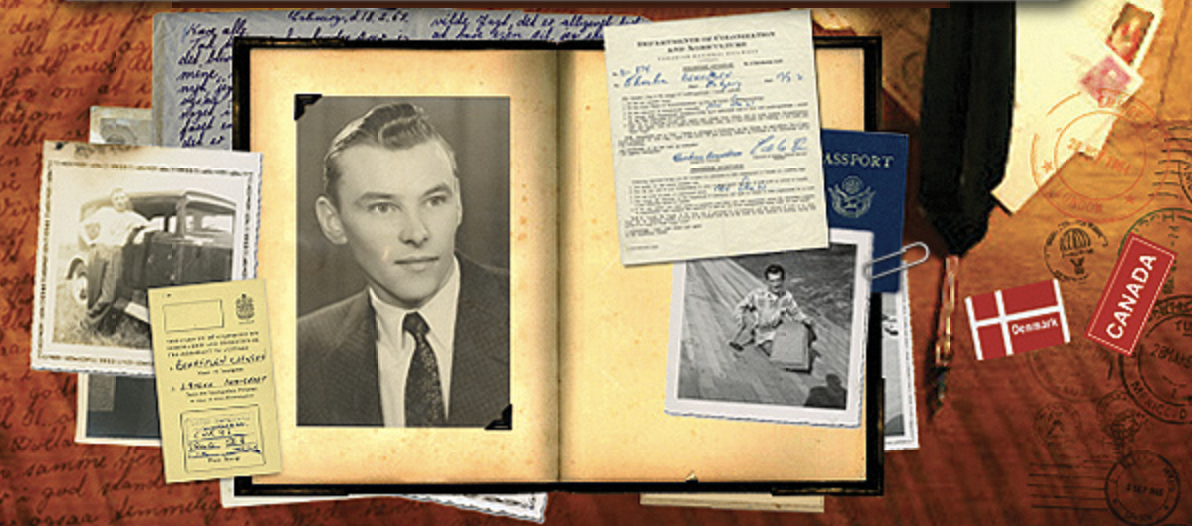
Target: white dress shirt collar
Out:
[395,348]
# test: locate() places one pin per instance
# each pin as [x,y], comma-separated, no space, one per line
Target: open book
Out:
[586,359]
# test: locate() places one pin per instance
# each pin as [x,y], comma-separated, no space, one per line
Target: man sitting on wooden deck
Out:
[768,305]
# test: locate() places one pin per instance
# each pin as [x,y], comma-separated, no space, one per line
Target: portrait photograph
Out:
[774,337]
[403,261]
[119,220]
[413,293]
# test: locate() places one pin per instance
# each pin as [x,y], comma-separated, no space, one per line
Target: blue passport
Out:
[865,182]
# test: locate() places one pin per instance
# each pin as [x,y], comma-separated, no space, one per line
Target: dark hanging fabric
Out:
[968,101]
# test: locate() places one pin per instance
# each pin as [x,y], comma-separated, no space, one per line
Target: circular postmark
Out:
[1142,488]
[1057,426]
[1158,377]
[1078,372]
[1069,246]
[1170,228]
[1106,180]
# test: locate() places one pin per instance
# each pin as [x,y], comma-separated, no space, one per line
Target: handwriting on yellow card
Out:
[214,368]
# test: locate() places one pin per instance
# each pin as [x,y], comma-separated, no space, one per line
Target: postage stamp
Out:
[1070,246]
[1108,75]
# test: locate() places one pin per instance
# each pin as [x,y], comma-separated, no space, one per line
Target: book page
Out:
[496,111]
[614,337]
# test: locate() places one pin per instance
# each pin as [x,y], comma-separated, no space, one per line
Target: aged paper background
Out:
[614,344]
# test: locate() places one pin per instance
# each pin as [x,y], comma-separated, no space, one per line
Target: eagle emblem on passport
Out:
[851,197]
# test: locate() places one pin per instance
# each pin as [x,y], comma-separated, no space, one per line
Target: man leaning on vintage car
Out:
[132,243]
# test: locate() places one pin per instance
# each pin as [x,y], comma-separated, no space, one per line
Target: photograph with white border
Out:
[521,506]
[898,368]
[777,337]
[116,220]
[111,125]
[118,410]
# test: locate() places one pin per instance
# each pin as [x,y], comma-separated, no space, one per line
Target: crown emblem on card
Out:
[244,308]
[851,197]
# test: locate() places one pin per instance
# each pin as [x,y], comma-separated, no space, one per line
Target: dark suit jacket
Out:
[337,357]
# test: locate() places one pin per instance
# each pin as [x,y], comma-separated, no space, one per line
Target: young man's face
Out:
[120,200]
[398,211]
[774,281]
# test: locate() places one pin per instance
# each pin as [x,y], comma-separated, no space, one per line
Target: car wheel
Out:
[78,287]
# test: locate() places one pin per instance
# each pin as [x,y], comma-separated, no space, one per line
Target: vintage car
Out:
[188,240]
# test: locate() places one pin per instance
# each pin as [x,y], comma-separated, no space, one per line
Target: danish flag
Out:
[1017,320]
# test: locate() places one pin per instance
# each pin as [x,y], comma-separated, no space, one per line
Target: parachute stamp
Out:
[1067,250]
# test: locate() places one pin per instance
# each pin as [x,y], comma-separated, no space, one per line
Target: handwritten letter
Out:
[715,130]
[192,52]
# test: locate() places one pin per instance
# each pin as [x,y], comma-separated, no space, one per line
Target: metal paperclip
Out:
[904,250]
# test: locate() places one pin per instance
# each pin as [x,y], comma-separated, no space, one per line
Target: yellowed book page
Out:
[841,87]
[737,501]
[366,453]
[613,358]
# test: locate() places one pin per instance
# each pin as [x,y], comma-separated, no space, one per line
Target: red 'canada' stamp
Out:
[1130,294]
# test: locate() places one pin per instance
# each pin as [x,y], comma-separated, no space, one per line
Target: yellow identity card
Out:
[214,367]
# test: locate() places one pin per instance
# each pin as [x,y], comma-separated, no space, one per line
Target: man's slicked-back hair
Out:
[397,126]
[775,269]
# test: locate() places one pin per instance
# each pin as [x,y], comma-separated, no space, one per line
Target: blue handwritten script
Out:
[637,76]
[741,186]
[713,80]
[683,157]
[192,52]
[223,436]
[770,145]
[786,77]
